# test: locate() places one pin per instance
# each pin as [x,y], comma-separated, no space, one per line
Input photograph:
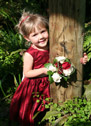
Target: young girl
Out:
[34,89]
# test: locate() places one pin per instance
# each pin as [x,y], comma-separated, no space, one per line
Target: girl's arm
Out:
[84,59]
[27,67]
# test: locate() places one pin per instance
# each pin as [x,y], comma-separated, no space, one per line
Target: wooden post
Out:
[66,21]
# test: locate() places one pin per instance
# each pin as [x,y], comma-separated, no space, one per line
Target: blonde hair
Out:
[28,23]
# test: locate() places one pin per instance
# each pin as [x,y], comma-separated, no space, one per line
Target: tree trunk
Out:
[66,21]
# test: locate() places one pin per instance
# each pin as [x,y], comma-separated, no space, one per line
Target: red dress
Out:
[31,93]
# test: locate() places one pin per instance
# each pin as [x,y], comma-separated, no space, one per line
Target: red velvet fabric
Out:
[25,102]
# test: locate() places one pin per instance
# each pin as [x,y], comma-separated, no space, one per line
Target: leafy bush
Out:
[87,40]
[87,49]
[11,44]
[10,47]
[70,113]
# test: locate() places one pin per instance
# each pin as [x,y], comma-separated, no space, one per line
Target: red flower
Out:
[66,65]
[60,71]
[58,65]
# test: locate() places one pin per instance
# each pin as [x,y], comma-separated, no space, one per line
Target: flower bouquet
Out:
[60,69]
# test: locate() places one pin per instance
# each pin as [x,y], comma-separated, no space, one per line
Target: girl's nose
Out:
[40,36]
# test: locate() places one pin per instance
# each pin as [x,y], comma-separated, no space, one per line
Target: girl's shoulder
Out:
[36,53]
[31,51]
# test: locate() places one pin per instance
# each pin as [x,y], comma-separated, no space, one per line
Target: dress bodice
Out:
[39,57]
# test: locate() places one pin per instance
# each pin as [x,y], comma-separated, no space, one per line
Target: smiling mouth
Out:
[42,41]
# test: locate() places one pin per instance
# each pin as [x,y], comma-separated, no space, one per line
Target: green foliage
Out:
[2,89]
[87,49]
[10,90]
[70,113]
[10,47]
[11,43]
[87,40]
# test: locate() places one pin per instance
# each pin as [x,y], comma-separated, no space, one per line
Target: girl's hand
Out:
[84,59]
[45,70]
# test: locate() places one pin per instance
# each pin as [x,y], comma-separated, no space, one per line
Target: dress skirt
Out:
[29,98]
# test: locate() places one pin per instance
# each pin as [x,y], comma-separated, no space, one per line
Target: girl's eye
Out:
[34,35]
[43,31]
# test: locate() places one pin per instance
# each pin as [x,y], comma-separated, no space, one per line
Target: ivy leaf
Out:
[65,78]
[46,106]
[49,72]
[67,60]
[38,101]
[50,79]
[47,99]
[47,65]
[55,60]
[50,113]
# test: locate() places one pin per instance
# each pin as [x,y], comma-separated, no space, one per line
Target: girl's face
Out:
[39,37]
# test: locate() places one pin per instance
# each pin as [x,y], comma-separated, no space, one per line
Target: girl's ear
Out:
[26,38]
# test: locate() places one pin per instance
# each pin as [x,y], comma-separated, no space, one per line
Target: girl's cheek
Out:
[46,35]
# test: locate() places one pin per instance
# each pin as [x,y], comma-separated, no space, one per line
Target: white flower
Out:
[52,68]
[56,77]
[68,72]
[60,59]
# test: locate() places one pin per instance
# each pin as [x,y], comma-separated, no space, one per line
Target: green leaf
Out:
[37,95]
[46,106]
[47,99]
[67,60]
[2,89]
[47,65]
[61,120]
[49,72]
[38,101]
[15,81]
[50,79]
[55,105]
[26,1]
[55,60]
[35,115]
[65,78]
[50,113]
[19,78]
